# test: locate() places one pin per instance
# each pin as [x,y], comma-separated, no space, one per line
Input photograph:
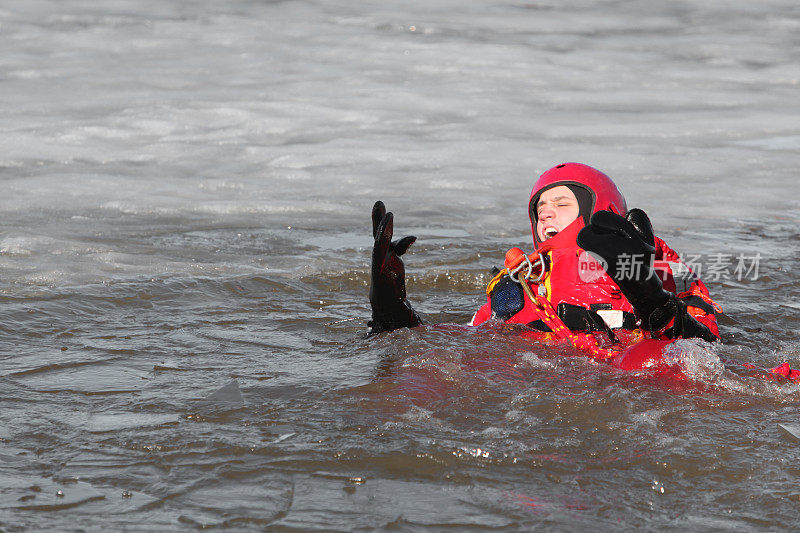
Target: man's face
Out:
[556,209]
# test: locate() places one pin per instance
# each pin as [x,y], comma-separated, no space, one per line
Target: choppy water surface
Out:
[184,238]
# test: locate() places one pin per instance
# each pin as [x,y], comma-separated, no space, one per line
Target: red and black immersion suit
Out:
[584,296]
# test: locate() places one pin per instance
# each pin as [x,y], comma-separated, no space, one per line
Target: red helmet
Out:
[594,191]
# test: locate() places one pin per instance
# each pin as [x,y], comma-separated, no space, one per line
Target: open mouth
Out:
[550,232]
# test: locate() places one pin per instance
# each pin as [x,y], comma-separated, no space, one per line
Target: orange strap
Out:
[583,341]
[695,291]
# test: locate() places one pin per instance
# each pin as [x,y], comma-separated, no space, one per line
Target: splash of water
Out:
[697,359]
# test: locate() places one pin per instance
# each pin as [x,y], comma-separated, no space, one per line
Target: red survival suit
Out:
[584,296]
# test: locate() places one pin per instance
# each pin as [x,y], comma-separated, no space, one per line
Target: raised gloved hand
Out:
[627,246]
[387,290]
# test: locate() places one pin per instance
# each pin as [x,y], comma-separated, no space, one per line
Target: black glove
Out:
[387,290]
[627,246]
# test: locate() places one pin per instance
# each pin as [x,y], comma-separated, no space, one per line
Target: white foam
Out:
[16,246]
[697,359]
[536,362]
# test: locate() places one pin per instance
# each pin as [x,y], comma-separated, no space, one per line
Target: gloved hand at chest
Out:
[387,291]
[627,246]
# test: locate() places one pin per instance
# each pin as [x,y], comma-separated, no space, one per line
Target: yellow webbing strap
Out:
[548,315]
[495,280]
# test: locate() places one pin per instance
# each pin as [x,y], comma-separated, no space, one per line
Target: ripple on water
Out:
[86,379]
[37,494]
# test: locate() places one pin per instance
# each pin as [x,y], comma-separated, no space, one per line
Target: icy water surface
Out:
[184,243]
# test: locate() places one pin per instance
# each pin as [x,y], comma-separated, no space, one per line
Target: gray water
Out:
[184,247]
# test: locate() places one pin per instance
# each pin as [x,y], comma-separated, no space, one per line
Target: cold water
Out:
[184,257]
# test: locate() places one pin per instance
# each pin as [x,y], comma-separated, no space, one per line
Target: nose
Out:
[546,213]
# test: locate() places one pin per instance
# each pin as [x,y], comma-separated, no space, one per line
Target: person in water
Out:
[580,222]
